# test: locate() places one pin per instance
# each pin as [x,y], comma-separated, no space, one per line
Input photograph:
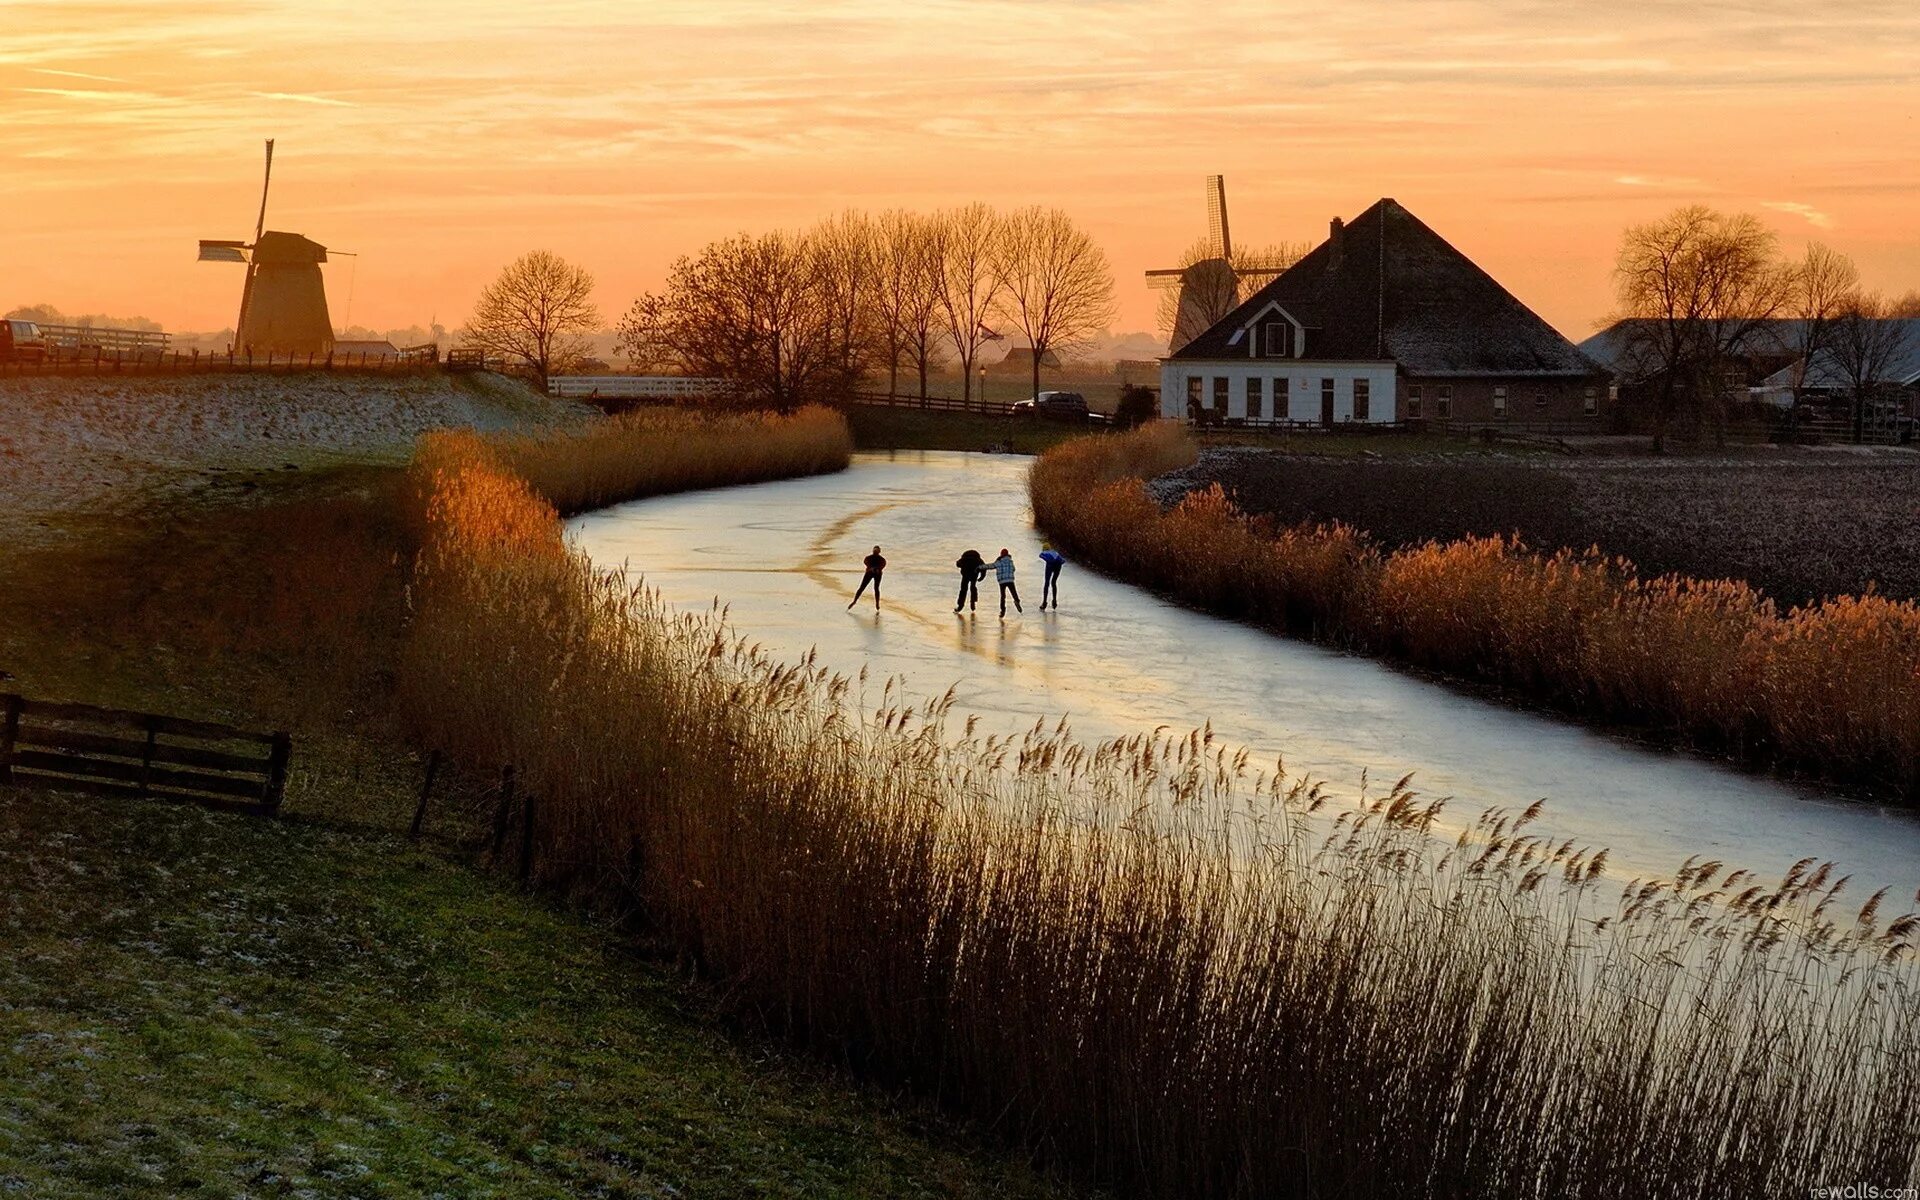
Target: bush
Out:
[1137,406]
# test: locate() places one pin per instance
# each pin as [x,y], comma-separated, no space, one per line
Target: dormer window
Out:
[1276,339]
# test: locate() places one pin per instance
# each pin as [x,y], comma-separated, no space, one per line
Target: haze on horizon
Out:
[439,139]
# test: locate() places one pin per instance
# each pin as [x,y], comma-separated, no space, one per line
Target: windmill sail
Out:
[211,251]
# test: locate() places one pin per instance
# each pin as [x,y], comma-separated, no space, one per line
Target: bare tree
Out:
[1058,286]
[758,311]
[538,312]
[907,246]
[1907,307]
[1696,288]
[851,292]
[1824,282]
[1866,344]
[970,283]
[1211,287]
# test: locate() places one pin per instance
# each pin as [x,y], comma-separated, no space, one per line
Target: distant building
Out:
[1769,365]
[1384,321]
[1019,361]
[379,348]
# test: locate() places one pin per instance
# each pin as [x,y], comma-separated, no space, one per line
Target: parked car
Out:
[1058,406]
[20,341]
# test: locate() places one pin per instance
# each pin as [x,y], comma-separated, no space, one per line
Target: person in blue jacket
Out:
[1052,560]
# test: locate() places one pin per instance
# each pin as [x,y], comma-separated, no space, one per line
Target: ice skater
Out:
[1052,560]
[973,569]
[875,565]
[1003,567]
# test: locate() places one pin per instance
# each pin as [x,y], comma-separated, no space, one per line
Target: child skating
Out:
[1003,567]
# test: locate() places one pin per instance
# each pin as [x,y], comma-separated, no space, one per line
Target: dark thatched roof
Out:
[1387,287]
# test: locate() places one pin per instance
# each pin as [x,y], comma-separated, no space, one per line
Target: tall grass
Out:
[1832,687]
[650,452]
[1147,959]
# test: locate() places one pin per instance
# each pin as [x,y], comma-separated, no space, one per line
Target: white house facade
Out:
[1329,393]
[1383,322]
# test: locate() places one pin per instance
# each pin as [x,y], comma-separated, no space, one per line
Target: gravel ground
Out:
[1799,524]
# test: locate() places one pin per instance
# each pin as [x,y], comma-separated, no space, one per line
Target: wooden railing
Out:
[991,408]
[111,752]
[97,360]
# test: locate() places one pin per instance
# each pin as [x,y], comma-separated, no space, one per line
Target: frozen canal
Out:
[1115,660]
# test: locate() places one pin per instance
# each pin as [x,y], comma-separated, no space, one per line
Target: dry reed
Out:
[1832,687]
[1145,959]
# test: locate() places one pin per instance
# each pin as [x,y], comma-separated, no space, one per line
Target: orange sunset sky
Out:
[439,139]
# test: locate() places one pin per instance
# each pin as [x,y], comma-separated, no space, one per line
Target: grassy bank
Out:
[1150,960]
[1830,688]
[203,1004]
[878,428]
[1799,525]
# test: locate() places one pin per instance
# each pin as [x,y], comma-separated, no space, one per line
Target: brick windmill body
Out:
[283,303]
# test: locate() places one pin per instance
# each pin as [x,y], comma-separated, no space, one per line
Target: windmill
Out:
[1210,286]
[283,303]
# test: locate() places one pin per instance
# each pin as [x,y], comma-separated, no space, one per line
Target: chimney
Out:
[1336,243]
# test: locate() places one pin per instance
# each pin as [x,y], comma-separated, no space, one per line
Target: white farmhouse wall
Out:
[1303,378]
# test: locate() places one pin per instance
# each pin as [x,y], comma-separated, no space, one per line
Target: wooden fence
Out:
[111,752]
[101,361]
[990,408]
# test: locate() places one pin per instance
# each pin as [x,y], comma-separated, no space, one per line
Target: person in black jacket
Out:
[973,569]
[875,565]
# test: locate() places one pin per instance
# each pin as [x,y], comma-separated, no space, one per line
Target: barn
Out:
[1383,322]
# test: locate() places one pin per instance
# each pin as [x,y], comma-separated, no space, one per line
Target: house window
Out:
[1592,404]
[1500,401]
[1193,397]
[1413,402]
[1443,402]
[1221,386]
[1282,398]
[1255,387]
[1540,400]
[1276,339]
[1362,398]
[1326,401]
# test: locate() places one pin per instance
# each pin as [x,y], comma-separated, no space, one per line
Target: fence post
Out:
[426,790]
[526,840]
[146,758]
[505,809]
[9,733]
[277,760]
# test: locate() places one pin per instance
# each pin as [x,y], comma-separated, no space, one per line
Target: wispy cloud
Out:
[1806,212]
[303,98]
[75,75]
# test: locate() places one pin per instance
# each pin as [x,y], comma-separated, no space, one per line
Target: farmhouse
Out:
[1384,321]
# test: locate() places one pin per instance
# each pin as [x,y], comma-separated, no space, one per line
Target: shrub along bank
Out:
[1832,688]
[1147,959]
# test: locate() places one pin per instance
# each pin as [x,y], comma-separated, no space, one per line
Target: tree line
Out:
[1701,292]
[793,316]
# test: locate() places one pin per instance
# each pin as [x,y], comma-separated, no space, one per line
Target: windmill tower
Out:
[1210,287]
[283,303]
